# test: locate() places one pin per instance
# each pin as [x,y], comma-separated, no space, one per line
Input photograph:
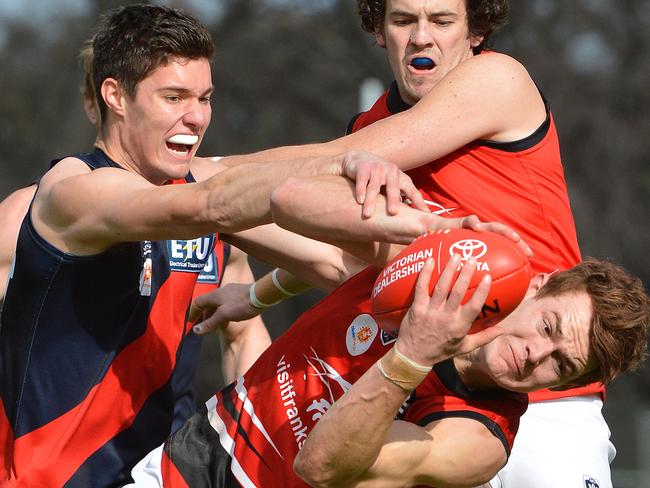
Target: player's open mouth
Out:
[423,64]
[181,144]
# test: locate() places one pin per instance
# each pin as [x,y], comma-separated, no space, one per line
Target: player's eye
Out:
[402,21]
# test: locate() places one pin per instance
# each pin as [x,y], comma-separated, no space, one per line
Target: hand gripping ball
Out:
[496,255]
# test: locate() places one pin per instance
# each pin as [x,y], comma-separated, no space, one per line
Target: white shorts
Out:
[560,444]
[147,473]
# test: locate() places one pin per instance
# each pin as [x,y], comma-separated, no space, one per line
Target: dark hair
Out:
[620,316]
[87,88]
[484,17]
[134,40]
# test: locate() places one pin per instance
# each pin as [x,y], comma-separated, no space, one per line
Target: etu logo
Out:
[210,272]
[189,255]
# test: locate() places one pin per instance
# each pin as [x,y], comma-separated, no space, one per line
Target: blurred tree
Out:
[585,57]
[285,76]
[40,115]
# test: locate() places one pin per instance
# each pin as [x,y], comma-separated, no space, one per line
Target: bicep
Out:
[84,212]
[484,98]
[447,453]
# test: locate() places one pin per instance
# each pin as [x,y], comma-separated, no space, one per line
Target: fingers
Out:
[481,338]
[421,294]
[473,222]
[372,191]
[444,283]
[195,312]
[203,303]
[361,184]
[371,174]
[412,194]
[393,192]
[523,245]
[476,301]
[457,293]
[212,323]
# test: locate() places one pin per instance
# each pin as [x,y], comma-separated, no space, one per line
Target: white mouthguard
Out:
[183,139]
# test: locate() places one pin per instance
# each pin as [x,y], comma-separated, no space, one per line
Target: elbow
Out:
[284,201]
[311,471]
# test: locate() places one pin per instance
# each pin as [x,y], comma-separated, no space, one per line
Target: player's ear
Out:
[113,95]
[91,110]
[475,41]
[536,282]
[379,35]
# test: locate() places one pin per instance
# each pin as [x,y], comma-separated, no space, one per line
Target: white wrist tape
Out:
[276,282]
[255,302]
[411,363]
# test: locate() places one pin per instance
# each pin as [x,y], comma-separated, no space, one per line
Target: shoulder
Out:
[493,71]
[12,212]
[71,188]
[15,205]
[495,60]
[65,168]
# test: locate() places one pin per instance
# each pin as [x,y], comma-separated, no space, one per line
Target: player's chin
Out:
[517,386]
[178,169]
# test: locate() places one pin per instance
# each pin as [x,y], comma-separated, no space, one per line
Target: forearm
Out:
[326,209]
[275,287]
[283,153]
[341,449]
[320,264]
[239,197]
[227,308]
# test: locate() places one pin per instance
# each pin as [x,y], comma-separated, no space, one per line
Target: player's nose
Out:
[539,350]
[198,115]
[421,35]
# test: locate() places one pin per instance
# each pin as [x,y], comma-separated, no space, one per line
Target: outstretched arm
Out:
[341,450]
[323,209]
[85,212]
[490,97]
[322,265]
[242,300]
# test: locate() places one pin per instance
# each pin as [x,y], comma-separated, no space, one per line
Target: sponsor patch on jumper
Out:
[360,334]
[210,272]
[190,256]
[386,338]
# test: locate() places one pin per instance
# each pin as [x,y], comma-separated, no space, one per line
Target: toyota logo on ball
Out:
[469,248]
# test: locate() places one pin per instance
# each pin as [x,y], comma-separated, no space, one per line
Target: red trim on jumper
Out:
[46,453]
